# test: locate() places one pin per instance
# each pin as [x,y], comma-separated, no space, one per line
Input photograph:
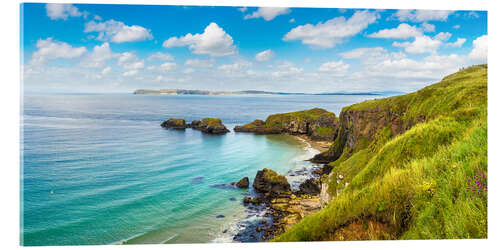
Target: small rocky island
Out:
[206,125]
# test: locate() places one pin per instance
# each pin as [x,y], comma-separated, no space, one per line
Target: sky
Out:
[94,48]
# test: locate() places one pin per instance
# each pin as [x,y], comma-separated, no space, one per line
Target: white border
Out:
[10,122]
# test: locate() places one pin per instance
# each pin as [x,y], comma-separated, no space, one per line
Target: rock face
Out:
[243,183]
[270,183]
[174,123]
[210,126]
[316,123]
[311,186]
[357,125]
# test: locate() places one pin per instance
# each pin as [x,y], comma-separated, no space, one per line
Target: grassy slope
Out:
[415,183]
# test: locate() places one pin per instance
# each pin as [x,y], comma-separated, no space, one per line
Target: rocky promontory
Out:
[318,124]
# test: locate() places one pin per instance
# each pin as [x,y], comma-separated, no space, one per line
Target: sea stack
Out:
[174,123]
[210,126]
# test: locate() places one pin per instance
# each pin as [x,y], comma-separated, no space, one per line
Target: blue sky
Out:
[120,48]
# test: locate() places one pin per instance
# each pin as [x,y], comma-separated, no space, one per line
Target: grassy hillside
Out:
[426,182]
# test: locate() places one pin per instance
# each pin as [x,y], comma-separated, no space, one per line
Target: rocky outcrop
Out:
[243,183]
[174,123]
[316,123]
[311,186]
[210,126]
[270,184]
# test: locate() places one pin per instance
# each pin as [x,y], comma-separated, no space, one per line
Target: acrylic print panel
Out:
[142,124]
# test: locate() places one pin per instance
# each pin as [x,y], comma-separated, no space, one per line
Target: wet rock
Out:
[174,123]
[258,229]
[232,199]
[225,231]
[243,183]
[271,184]
[220,216]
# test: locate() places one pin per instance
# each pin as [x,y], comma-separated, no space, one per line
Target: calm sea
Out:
[99,169]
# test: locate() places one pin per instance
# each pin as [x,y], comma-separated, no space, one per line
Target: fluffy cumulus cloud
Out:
[213,41]
[51,49]
[458,43]
[100,54]
[200,63]
[160,56]
[422,15]
[333,31]
[334,67]
[364,53]
[286,69]
[268,13]
[129,61]
[427,27]
[164,67]
[61,11]
[403,31]
[118,32]
[424,44]
[264,56]
[480,49]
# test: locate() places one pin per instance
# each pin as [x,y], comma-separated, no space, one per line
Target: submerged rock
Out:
[174,123]
[220,216]
[243,183]
[270,183]
[210,126]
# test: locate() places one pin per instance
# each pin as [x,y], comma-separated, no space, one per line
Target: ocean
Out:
[99,169]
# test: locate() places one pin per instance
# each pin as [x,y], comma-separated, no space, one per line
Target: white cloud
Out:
[286,69]
[264,56]
[480,48]
[118,32]
[242,9]
[106,70]
[130,73]
[403,31]
[213,41]
[427,27]
[200,63]
[292,20]
[50,49]
[330,33]
[160,56]
[268,13]
[128,60]
[443,36]
[61,11]
[422,15]
[98,18]
[335,68]
[423,44]
[456,26]
[100,54]
[188,71]
[232,67]
[473,14]
[164,67]
[364,53]
[458,43]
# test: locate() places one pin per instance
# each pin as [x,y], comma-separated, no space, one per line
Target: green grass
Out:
[306,115]
[415,183]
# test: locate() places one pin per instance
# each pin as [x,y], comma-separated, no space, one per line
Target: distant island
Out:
[245,92]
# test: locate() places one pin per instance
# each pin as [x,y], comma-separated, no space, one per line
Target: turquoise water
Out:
[99,169]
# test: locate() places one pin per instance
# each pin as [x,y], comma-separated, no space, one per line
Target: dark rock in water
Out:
[174,123]
[232,199]
[225,231]
[198,179]
[210,126]
[223,186]
[243,183]
[220,216]
[253,200]
[195,124]
[310,186]
[270,183]
[258,229]
[263,222]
